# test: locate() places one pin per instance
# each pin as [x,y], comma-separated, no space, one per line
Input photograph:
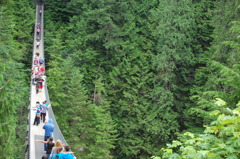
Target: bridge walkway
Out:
[35,150]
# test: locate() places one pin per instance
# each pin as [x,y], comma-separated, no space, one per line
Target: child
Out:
[37,117]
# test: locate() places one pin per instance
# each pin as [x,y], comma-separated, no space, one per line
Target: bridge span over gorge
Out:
[35,150]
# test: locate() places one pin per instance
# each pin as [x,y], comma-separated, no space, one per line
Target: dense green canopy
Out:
[125,77]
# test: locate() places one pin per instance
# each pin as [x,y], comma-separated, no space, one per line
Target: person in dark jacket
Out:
[49,128]
[50,144]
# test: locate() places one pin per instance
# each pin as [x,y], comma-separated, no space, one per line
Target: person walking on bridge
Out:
[38,111]
[49,128]
[44,111]
[40,12]
[41,60]
[37,44]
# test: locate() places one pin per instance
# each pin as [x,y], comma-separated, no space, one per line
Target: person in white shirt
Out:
[37,43]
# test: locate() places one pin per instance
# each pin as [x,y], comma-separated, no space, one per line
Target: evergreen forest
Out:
[127,79]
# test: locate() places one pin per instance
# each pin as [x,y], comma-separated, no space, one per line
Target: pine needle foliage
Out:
[87,127]
[139,62]
[218,78]
[13,86]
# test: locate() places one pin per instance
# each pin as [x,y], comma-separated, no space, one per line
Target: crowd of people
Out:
[53,150]
[41,112]
[38,75]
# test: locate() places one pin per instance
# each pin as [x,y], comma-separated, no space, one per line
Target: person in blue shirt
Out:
[38,111]
[47,104]
[41,60]
[37,117]
[66,154]
[49,128]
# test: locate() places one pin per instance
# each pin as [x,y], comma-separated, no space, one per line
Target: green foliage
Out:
[223,16]
[86,126]
[173,62]
[57,11]
[203,31]
[219,77]
[55,72]
[133,114]
[223,83]
[13,88]
[220,139]
[138,60]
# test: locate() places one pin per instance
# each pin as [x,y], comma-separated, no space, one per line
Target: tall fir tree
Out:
[173,64]
[87,127]
[13,85]
[54,73]
[215,80]
[147,55]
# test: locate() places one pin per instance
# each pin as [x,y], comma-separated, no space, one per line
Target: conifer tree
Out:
[215,80]
[109,40]
[173,64]
[146,54]
[87,127]
[110,36]
[57,11]
[55,72]
[95,38]
[24,19]
[13,92]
